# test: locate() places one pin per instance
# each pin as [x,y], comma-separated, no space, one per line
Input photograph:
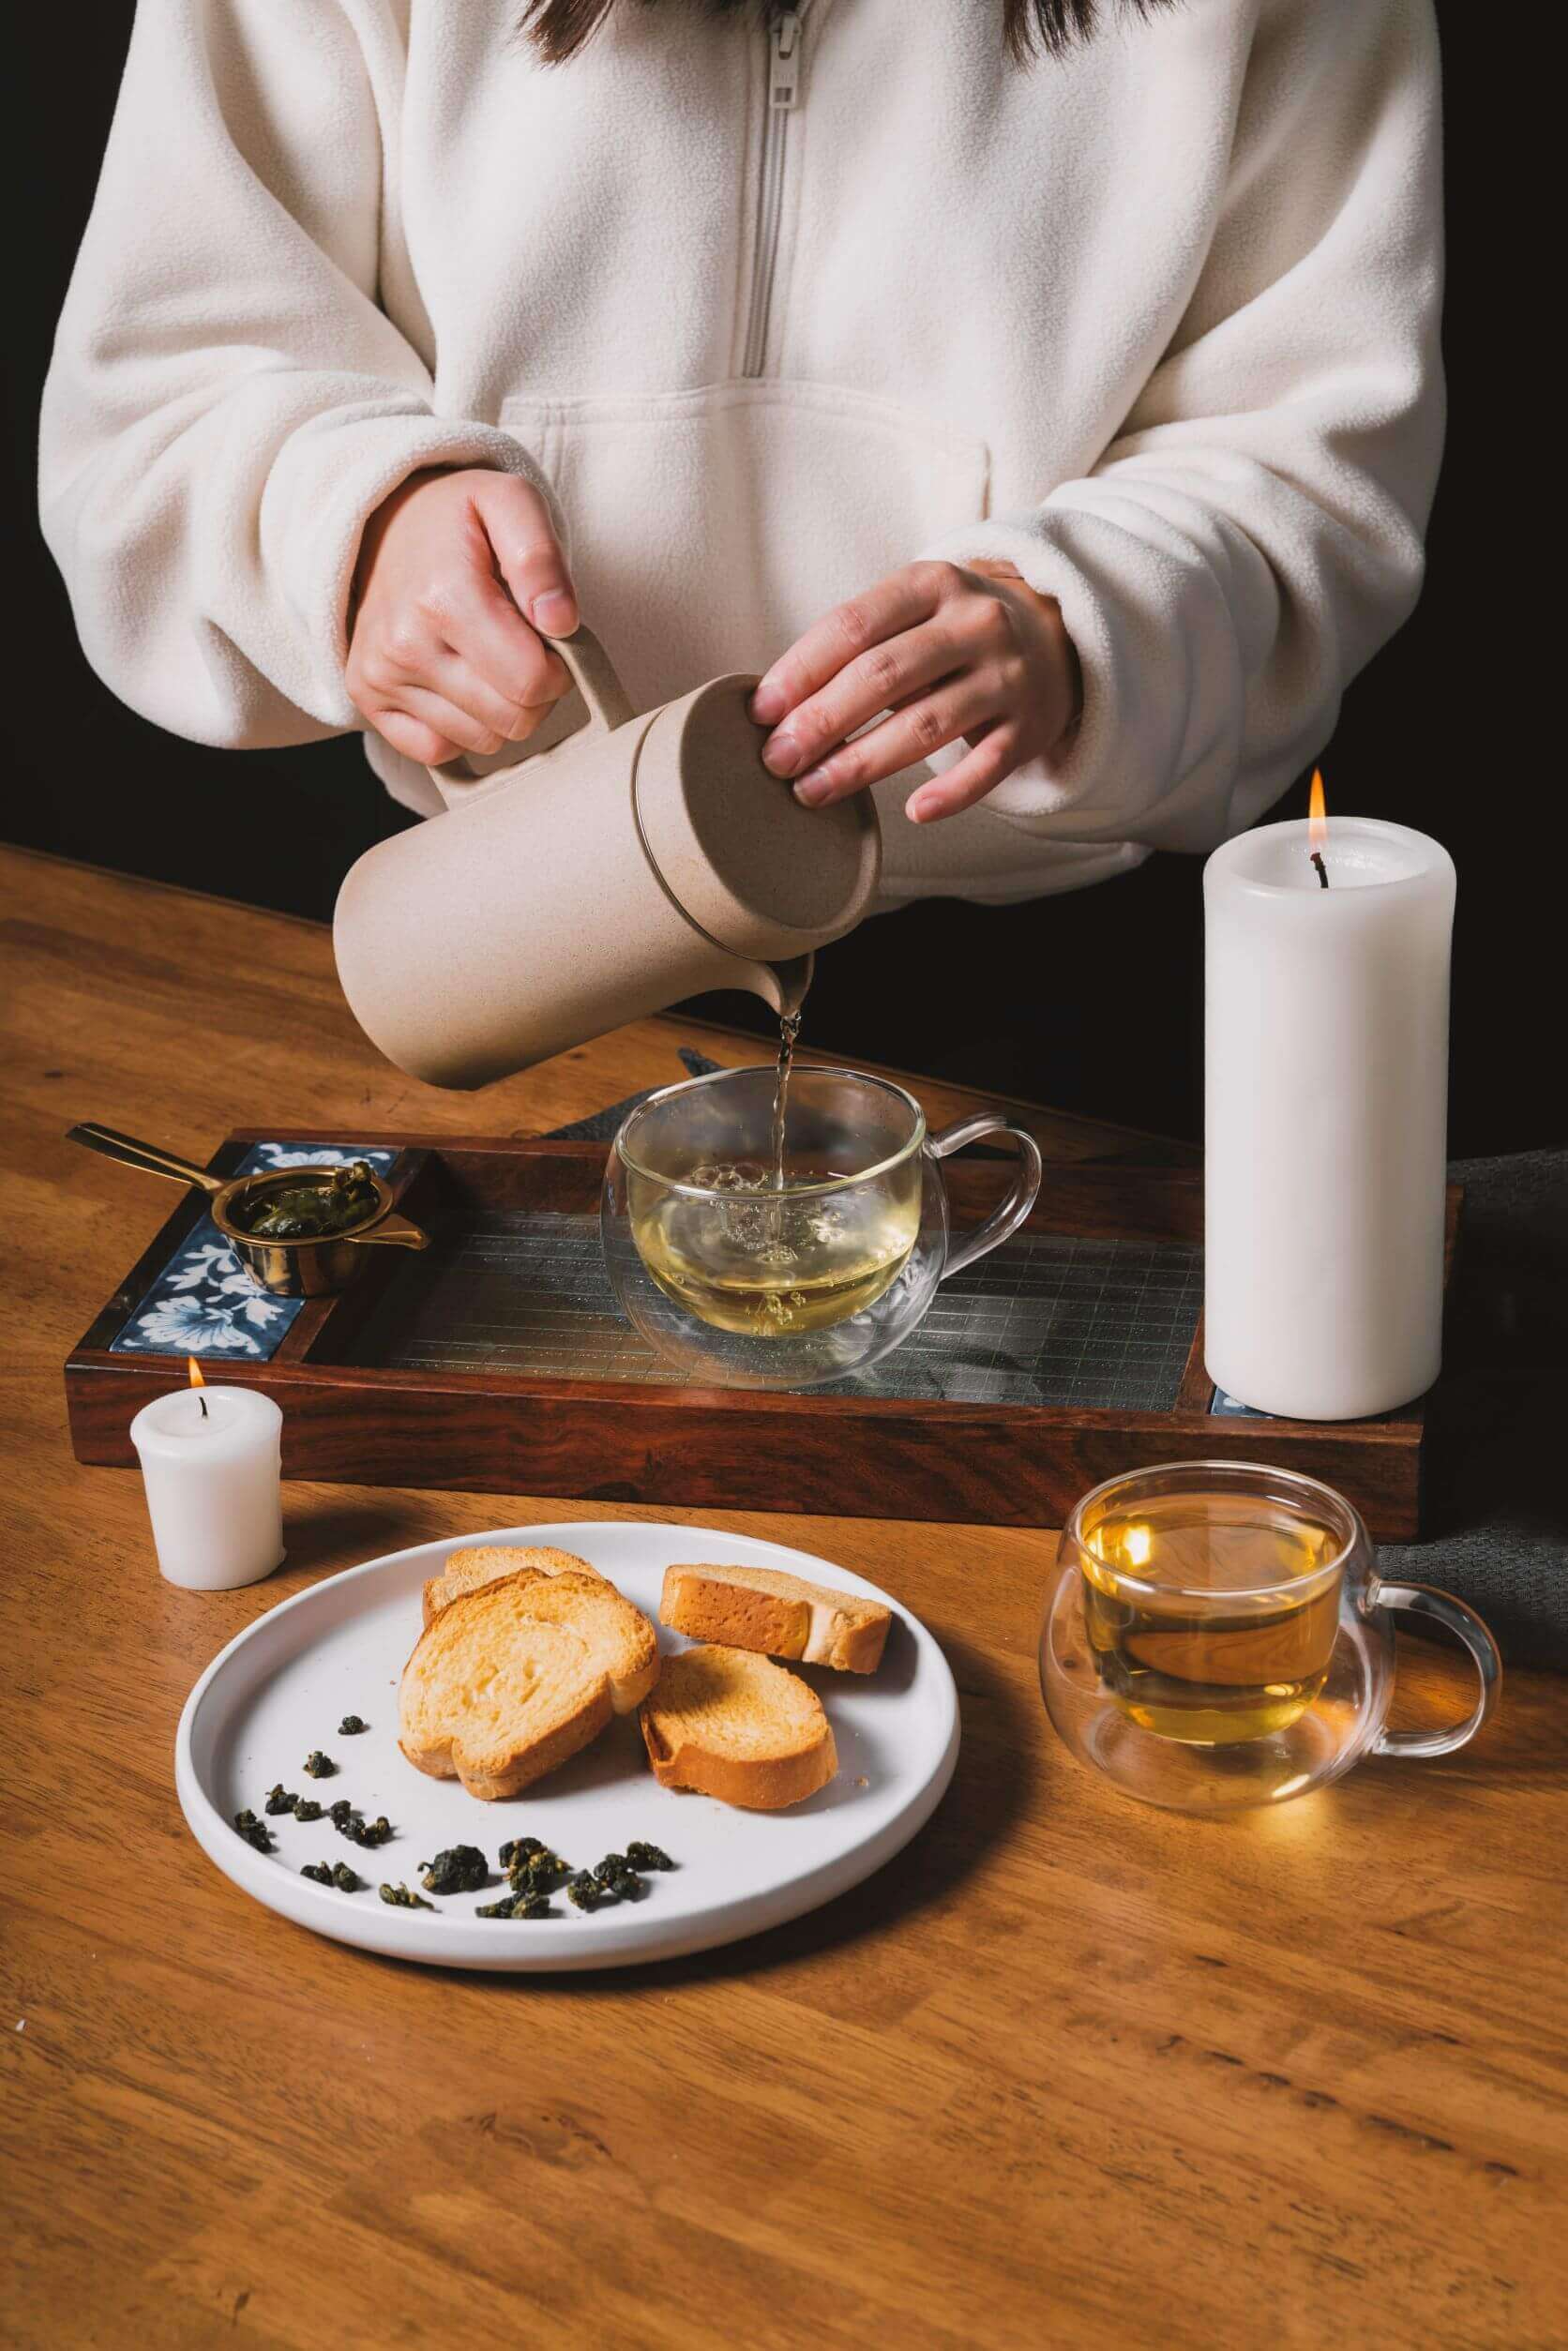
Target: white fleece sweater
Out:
[1156,322]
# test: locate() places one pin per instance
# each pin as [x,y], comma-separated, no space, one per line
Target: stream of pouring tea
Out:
[766,1263]
[789,1030]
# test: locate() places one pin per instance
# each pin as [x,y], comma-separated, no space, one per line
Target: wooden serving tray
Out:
[496,1360]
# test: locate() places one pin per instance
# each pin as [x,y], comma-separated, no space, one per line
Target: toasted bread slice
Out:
[730,1724]
[783,1616]
[620,1639]
[482,1562]
[495,1696]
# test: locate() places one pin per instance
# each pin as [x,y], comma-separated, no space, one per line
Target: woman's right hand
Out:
[452,568]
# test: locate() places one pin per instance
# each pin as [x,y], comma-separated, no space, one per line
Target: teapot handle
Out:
[608,705]
[1021,1199]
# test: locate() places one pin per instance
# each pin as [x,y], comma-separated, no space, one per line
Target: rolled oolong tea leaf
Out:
[351,1727]
[307,1808]
[346,1880]
[320,1871]
[584,1891]
[320,1767]
[642,1856]
[541,1873]
[613,1865]
[515,1906]
[457,1869]
[402,1899]
[278,1800]
[372,1832]
[518,1849]
[254,1831]
[340,1811]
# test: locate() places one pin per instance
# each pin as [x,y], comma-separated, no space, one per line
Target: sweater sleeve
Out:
[227,404]
[1254,532]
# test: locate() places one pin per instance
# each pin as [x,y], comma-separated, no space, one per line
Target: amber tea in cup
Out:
[1216,1635]
[1210,1617]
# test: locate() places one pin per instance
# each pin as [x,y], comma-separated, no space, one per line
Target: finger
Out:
[413,738]
[486,631]
[500,717]
[992,759]
[876,681]
[527,552]
[922,727]
[450,722]
[902,600]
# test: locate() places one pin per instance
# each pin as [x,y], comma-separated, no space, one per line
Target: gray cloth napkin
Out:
[1497,1444]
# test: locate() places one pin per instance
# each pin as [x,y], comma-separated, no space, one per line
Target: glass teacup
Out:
[755,1283]
[1216,1635]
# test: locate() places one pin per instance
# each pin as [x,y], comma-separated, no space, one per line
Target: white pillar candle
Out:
[1327,1112]
[213,1485]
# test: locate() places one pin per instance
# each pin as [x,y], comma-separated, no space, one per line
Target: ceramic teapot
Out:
[645,858]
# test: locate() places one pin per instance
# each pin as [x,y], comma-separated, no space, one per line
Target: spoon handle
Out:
[143,1155]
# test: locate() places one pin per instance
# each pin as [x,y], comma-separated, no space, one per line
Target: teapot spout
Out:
[781,985]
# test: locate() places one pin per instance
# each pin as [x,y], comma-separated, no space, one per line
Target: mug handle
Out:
[1423,1601]
[608,705]
[1020,1199]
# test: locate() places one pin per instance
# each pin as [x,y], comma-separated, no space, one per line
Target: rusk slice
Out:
[783,1616]
[495,1696]
[730,1723]
[481,1562]
[621,1640]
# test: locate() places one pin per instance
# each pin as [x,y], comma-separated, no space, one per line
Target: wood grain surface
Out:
[1066,2072]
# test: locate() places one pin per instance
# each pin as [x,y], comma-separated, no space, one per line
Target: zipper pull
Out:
[784,64]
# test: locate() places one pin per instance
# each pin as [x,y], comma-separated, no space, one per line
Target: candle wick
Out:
[1322,870]
[202,1401]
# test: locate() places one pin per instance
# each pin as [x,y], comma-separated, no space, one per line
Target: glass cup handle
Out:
[1020,1199]
[1423,1601]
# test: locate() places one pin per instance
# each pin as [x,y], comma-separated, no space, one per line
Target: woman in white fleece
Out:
[1055,385]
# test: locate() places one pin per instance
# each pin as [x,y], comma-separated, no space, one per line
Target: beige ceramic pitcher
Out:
[644,859]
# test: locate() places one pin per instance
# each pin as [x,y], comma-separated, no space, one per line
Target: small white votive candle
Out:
[1327,1113]
[214,1484]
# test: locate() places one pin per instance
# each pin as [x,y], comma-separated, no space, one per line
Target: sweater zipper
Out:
[784,72]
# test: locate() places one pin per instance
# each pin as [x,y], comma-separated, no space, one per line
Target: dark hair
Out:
[559,27]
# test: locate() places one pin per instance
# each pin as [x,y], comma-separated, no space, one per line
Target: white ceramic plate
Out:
[283,1685]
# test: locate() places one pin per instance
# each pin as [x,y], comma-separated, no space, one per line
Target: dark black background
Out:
[1089,1002]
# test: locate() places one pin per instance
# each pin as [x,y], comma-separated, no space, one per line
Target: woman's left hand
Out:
[947,652]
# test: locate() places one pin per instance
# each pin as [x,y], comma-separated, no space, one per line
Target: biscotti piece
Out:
[621,1641]
[730,1723]
[783,1616]
[481,1562]
[494,1696]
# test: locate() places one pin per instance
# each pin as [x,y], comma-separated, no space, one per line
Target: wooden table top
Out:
[1064,2071]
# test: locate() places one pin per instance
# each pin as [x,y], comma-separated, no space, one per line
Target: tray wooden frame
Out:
[623,1441]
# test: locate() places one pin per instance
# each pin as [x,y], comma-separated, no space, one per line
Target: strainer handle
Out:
[1021,1199]
[147,1156]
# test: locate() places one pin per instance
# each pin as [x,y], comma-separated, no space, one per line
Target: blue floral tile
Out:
[204,1301]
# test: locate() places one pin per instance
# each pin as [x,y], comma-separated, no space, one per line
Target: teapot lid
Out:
[761,874]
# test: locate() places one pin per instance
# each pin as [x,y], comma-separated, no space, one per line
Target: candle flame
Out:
[1318,815]
[195,1370]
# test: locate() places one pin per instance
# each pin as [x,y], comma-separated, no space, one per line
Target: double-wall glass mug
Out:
[1216,1637]
[761,1257]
